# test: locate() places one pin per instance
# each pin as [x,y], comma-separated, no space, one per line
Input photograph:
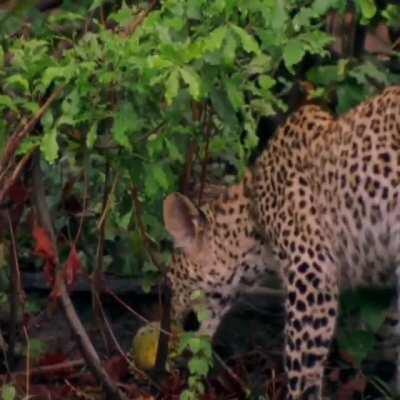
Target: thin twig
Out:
[131,28]
[108,204]
[88,351]
[43,370]
[28,361]
[207,134]
[142,229]
[17,170]
[134,312]
[16,138]
[122,354]
[97,276]
[165,326]
[156,132]
[187,171]
[85,196]
[16,293]
[101,225]
[116,344]
[230,372]
[79,393]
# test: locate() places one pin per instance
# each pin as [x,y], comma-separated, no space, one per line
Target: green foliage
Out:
[8,392]
[391,14]
[37,348]
[199,363]
[200,349]
[127,104]
[367,9]
[367,308]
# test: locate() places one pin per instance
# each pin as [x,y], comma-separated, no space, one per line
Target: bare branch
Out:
[88,351]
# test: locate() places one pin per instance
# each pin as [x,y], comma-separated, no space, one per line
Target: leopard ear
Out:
[184,221]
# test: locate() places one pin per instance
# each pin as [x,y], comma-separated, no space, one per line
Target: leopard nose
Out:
[190,322]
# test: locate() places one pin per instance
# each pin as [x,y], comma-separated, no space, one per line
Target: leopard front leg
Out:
[311,309]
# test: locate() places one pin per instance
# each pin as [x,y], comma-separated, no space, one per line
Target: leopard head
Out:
[217,248]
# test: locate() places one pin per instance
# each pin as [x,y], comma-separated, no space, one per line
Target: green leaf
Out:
[160,176]
[266,82]
[3,137]
[71,105]
[8,392]
[293,52]
[193,80]
[37,348]
[324,75]
[229,49]
[197,294]
[358,344]
[18,81]
[7,102]
[96,4]
[262,107]
[124,122]
[235,95]
[223,107]
[321,7]
[203,315]
[198,366]
[259,65]
[392,15]
[279,16]
[214,40]
[122,17]
[248,42]
[65,120]
[28,144]
[188,395]
[364,73]
[31,106]
[349,95]
[1,57]
[49,145]
[316,42]
[251,139]
[172,86]
[374,315]
[156,180]
[53,73]
[368,8]
[158,62]
[303,18]
[48,120]
[195,345]
[147,265]
[91,136]
[173,151]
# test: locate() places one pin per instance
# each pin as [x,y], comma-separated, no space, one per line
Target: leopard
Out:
[319,208]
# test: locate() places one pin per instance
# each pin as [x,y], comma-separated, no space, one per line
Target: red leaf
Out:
[18,193]
[44,246]
[72,267]
[48,271]
[350,389]
[44,249]
[50,359]
[117,368]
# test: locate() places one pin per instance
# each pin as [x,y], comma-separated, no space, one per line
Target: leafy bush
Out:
[141,86]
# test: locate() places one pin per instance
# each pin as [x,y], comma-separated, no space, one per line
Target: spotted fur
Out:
[320,208]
